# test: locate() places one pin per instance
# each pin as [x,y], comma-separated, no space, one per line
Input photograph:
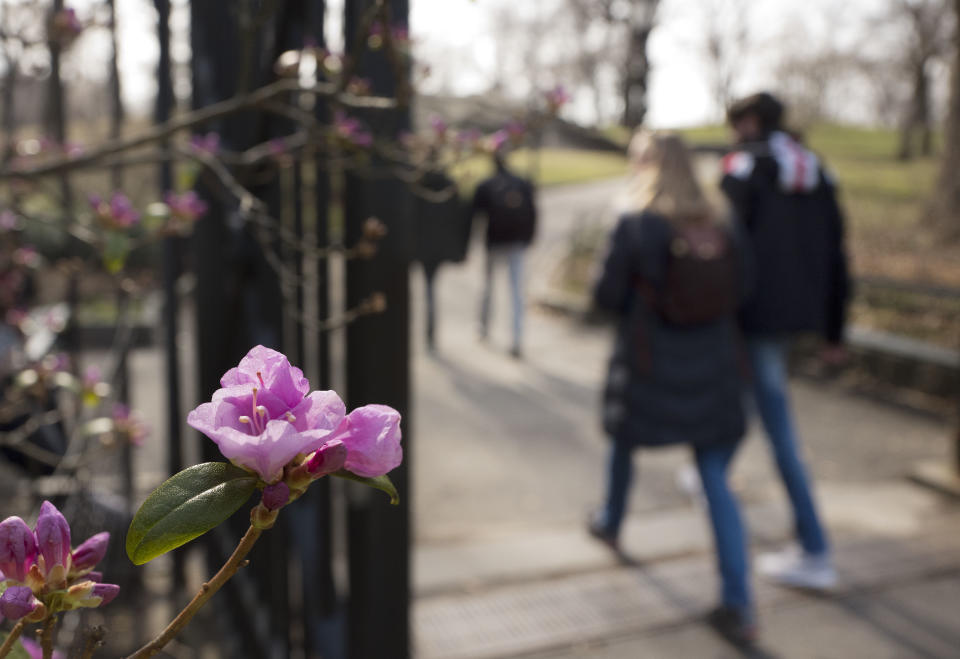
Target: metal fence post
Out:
[378,371]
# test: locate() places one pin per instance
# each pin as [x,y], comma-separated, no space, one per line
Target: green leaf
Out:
[116,247]
[186,506]
[381,483]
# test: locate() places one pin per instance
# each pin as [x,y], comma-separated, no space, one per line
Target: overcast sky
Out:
[456,38]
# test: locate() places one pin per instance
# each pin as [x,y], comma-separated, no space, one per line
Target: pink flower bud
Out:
[53,538]
[18,548]
[90,552]
[89,594]
[276,496]
[18,602]
[329,458]
[372,436]
[107,592]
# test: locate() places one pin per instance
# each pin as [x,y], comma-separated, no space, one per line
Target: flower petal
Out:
[53,537]
[18,548]
[17,602]
[327,459]
[283,380]
[372,436]
[321,410]
[90,552]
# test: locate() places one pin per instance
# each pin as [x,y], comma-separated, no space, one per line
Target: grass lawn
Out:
[553,166]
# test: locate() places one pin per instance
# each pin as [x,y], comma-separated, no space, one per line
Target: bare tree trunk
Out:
[56,112]
[924,114]
[116,100]
[917,119]
[944,210]
[9,107]
[637,65]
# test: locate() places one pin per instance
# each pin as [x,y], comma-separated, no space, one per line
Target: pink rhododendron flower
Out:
[186,207]
[129,425]
[265,416]
[39,567]
[351,130]
[118,213]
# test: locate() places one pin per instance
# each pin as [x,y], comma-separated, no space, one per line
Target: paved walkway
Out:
[509,459]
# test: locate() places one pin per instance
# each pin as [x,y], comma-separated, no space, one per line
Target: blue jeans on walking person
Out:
[512,254]
[770,389]
[729,535]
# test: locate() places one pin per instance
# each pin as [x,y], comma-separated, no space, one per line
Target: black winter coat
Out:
[665,384]
[508,202]
[442,224]
[789,209]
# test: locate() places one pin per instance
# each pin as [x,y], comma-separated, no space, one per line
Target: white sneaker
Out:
[793,567]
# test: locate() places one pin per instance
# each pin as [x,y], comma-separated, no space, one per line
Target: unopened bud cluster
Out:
[42,574]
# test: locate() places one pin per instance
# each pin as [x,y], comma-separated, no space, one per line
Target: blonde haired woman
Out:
[674,275]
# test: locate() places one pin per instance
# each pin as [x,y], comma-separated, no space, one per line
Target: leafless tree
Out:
[726,41]
[945,206]
[626,26]
[926,38]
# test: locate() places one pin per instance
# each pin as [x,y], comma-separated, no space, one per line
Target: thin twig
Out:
[46,637]
[195,118]
[94,640]
[206,591]
[12,638]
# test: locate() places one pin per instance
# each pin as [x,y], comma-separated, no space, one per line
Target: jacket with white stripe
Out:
[789,207]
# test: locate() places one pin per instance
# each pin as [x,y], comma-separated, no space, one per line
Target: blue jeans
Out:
[729,536]
[512,254]
[725,519]
[768,366]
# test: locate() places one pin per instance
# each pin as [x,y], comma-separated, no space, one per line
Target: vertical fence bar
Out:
[171,272]
[116,99]
[237,295]
[378,370]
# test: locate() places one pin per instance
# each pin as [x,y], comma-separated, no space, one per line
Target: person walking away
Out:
[442,234]
[508,203]
[675,275]
[789,208]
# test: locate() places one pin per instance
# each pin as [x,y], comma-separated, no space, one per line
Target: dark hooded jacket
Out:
[508,202]
[788,206]
[665,384]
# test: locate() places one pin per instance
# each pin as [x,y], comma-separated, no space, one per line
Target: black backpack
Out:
[701,282]
[510,209]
